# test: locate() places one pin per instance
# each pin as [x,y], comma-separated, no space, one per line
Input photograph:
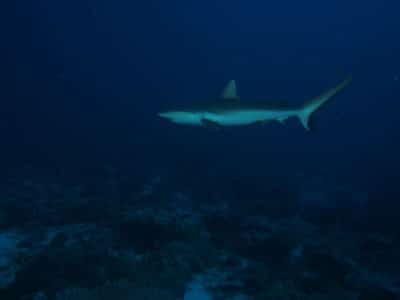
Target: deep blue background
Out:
[82,81]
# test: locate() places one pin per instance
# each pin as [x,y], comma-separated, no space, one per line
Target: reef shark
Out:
[229,110]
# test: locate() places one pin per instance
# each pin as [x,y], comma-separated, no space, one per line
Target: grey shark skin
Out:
[231,111]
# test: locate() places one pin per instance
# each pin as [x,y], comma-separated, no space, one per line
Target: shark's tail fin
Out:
[312,106]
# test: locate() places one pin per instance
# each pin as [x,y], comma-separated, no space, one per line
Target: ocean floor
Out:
[126,238]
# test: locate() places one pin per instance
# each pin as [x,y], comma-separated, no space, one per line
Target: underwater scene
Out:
[200,150]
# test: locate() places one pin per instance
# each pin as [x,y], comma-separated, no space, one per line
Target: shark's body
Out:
[231,111]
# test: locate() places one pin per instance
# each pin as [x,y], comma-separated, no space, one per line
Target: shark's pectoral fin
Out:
[210,124]
[261,122]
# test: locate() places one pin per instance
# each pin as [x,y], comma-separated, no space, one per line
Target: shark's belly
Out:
[244,118]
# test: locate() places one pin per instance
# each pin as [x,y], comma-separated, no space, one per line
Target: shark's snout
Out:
[163,114]
[182,117]
[170,115]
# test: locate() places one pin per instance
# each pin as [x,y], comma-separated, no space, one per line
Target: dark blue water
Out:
[82,82]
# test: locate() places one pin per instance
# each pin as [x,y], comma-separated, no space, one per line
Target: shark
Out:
[229,110]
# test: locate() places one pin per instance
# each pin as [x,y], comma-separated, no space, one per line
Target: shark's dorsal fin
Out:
[230,91]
